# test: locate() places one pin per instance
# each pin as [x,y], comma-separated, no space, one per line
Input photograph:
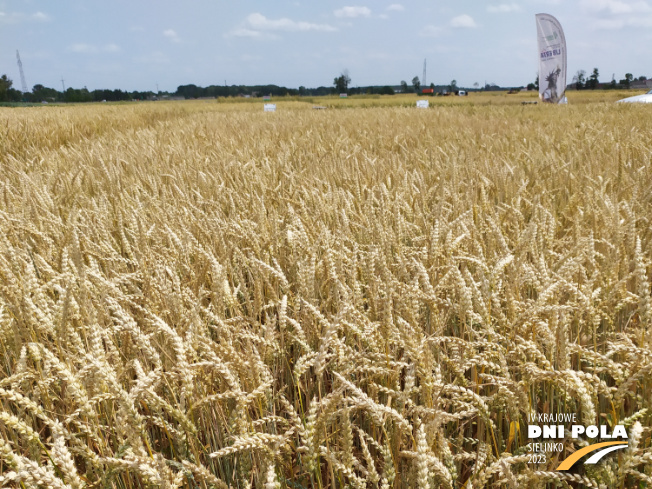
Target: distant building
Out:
[641,84]
[634,85]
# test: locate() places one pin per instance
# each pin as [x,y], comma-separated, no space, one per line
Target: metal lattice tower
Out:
[423,81]
[22,75]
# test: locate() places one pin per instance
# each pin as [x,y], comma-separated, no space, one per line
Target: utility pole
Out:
[63,86]
[157,89]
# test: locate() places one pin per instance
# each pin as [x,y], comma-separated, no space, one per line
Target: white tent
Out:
[646,98]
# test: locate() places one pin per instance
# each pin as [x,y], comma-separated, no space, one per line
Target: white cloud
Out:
[172,35]
[258,26]
[244,32]
[463,21]
[84,48]
[112,48]
[352,12]
[617,14]
[17,17]
[41,17]
[616,7]
[432,31]
[397,7]
[503,8]
[617,24]
[609,24]
[153,58]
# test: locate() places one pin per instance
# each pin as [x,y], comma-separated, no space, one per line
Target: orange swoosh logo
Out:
[568,462]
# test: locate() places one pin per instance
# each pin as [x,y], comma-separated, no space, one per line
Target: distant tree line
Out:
[591,82]
[193,91]
[341,84]
[41,93]
[582,82]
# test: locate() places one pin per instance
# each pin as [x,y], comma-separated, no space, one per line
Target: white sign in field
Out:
[269,107]
[422,104]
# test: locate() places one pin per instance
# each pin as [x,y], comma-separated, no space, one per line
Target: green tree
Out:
[78,95]
[41,93]
[9,94]
[580,79]
[404,86]
[416,84]
[5,86]
[627,81]
[342,82]
[593,80]
[453,86]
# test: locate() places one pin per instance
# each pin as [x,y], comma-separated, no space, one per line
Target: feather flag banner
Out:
[552,59]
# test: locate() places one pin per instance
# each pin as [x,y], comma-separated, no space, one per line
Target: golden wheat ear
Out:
[371,296]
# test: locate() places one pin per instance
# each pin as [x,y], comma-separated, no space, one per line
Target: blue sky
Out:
[136,44]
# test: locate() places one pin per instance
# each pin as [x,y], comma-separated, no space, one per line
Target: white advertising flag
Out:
[552,59]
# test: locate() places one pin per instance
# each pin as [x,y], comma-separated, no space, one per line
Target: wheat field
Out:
[203,295]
